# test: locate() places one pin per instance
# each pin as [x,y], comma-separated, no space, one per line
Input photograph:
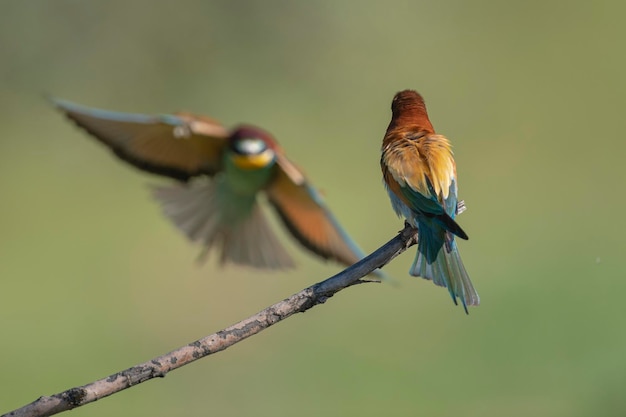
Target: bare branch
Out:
[159,367]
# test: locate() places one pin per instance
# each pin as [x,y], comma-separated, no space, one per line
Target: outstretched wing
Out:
[305,214]
[180,146]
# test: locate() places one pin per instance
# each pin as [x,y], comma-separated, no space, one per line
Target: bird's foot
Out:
[410,234]
[460,207]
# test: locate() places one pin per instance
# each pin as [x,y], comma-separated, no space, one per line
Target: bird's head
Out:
[251,148]
[407,99]
[408,107]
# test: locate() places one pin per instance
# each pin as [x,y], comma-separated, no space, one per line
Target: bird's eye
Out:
[252,146]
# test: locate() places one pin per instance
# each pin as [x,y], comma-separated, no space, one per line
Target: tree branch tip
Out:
[366,281]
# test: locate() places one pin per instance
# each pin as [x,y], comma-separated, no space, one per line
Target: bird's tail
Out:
[240,230]
[438,259]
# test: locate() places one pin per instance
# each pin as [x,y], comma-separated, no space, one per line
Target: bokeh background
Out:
[95,280]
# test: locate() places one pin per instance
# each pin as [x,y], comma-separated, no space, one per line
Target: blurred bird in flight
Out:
[221,210]
[419,173]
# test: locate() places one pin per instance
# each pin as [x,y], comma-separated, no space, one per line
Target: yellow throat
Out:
[257,161]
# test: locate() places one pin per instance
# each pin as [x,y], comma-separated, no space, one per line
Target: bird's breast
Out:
[248,174]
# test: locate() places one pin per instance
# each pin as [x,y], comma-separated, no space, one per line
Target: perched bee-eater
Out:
[221,210]
[419,173]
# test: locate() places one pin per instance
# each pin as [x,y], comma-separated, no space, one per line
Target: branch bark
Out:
[159,367]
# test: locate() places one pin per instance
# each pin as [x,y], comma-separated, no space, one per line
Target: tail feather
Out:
[199,212]
[441,263]
[252,242]
[191,210]
[462,284]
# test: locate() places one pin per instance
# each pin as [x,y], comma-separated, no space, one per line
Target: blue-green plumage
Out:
[437,254]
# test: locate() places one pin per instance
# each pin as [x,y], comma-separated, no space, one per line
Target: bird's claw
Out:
[460,207]
[410,233]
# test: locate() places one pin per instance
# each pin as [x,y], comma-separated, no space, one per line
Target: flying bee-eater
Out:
[419,174]
[220,174]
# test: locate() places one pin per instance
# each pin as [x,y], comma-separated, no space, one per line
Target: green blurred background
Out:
[532,95]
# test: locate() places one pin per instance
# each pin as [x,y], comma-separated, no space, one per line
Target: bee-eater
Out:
[220,175]
[419,173]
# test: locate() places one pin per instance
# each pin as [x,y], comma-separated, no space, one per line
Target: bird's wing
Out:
[407,175]
[305,214]
[425,187]
[179,146]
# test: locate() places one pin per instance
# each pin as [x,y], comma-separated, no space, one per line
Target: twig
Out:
[159,367]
